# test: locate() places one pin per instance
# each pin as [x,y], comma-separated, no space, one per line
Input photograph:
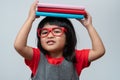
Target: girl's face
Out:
[52,38]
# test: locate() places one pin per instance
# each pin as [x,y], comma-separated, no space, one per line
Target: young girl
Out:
[55,57]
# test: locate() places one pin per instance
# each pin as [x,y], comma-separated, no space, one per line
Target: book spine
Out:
[59,15]
[60,6]
[58,10]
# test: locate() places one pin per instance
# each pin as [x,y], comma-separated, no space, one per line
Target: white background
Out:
[106,20]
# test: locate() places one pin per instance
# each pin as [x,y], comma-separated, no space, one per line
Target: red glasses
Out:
[56,31]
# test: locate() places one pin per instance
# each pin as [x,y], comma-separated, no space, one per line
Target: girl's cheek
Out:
[42,39]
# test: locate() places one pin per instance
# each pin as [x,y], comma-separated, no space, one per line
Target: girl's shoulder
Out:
[82,51]
[33,64]
[81,59]
[82,54]
[36,56]
[36,51]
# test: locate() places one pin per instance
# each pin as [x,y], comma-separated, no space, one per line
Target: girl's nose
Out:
[50,35]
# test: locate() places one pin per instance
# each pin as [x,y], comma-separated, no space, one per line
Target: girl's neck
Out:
[56,54]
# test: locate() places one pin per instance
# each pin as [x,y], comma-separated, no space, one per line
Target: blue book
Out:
[50,14]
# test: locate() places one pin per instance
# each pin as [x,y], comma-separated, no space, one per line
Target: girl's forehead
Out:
[50,26]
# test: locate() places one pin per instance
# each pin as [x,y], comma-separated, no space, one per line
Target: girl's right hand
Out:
[32,11]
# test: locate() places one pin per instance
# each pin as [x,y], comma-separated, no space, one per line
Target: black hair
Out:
[69,50]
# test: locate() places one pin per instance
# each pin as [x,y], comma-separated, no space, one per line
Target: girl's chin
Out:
[49,49]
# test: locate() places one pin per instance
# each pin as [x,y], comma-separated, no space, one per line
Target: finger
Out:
[81,20]
[36,1]
[34,5]
[88,16]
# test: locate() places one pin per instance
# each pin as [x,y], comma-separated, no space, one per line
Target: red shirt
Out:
[81,60]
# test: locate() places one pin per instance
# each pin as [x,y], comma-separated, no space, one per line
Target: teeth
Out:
[50,42]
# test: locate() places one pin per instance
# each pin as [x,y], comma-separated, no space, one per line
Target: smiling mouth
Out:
[51,42]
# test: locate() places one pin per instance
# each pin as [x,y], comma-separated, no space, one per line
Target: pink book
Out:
[60,6]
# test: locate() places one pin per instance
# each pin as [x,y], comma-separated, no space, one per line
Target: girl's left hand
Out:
[87,21]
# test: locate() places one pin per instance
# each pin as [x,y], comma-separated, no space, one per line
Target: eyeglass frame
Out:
[51,30]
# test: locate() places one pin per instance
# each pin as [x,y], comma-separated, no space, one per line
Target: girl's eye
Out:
[57,30]
[44,32]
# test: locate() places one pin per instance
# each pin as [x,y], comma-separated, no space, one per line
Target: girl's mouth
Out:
[50,42]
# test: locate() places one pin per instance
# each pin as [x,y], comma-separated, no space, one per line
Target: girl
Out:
[55,57]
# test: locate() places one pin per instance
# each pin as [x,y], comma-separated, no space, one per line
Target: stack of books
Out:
[57,10]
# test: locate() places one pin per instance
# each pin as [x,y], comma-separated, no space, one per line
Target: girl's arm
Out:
[98,49]
[20,43]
